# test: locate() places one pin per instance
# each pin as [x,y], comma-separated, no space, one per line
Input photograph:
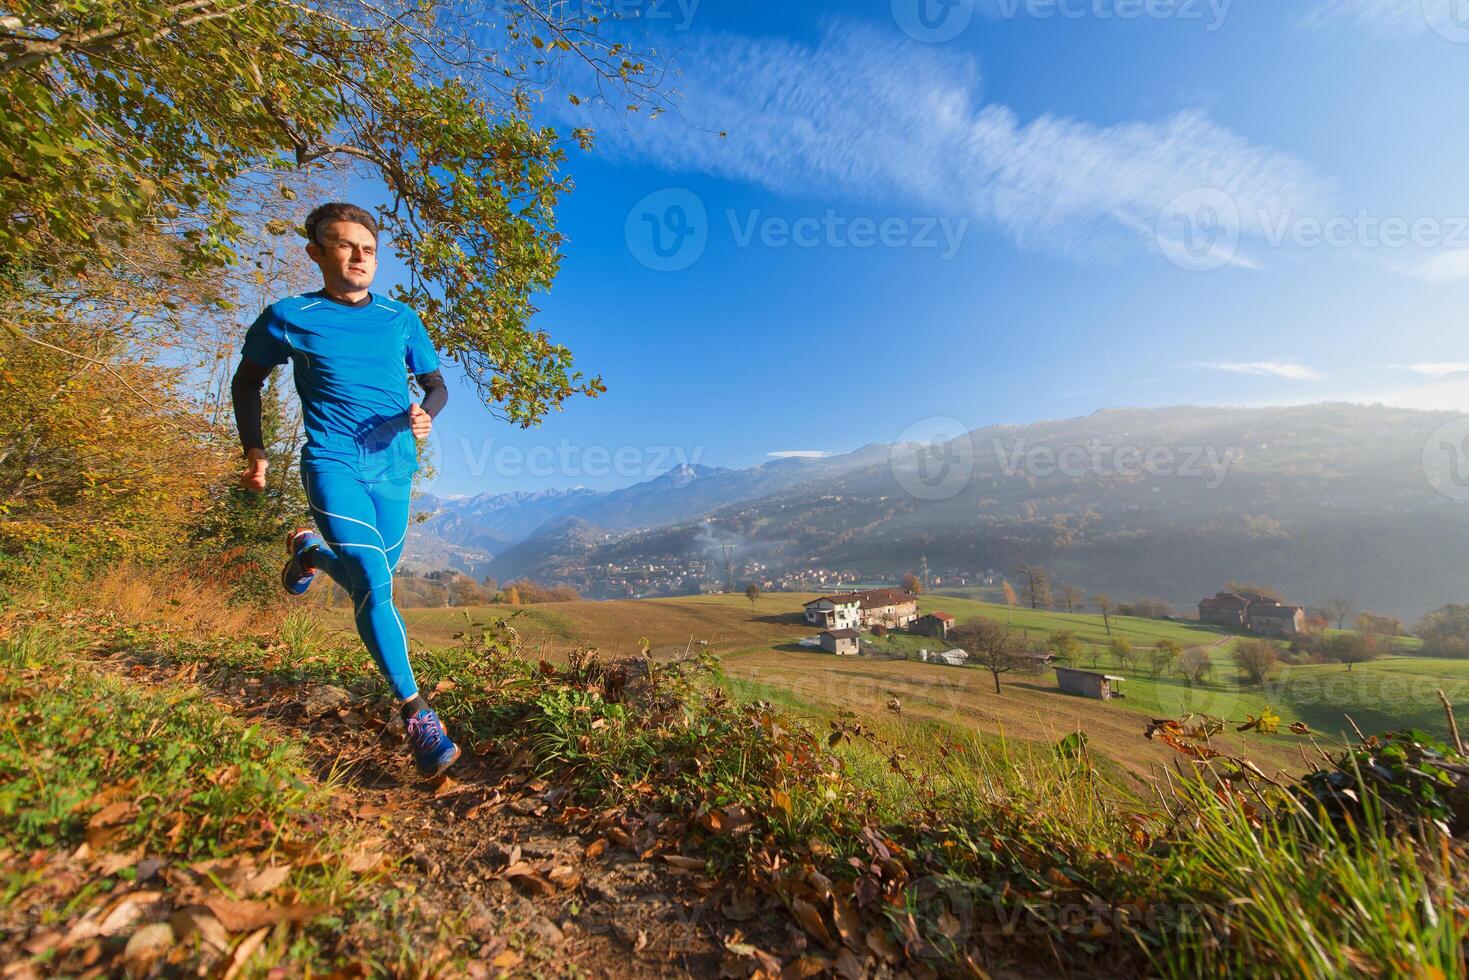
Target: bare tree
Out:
[1036,585]
[1340,610]
[912,584]
[1071,595]
[992,646]
[1105,603]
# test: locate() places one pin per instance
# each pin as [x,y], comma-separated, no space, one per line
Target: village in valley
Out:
[864,622]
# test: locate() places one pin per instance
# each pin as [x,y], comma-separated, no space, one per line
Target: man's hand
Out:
[419,421]
[253,477]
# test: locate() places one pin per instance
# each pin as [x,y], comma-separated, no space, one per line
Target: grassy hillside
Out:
[762,660]
[967,810]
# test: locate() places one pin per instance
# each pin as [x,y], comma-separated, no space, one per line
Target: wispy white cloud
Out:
[872,115]
[1450,266]
[1289,370]
[799,454]
[1384,17]
[1435,369]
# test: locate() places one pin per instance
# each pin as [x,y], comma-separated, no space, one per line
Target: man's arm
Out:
[245,392]
[435,395]
[435,392]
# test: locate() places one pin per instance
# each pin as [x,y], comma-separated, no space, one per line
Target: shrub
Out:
[1256,660]
[1445,632]
[1195,665]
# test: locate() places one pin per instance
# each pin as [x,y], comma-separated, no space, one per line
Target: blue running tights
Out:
[364,524]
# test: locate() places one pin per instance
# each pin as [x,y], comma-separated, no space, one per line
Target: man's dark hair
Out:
[324,214]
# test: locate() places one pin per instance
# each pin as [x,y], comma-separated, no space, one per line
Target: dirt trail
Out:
[569,913]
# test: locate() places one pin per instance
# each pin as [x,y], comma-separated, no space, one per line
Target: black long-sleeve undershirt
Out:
[250,378]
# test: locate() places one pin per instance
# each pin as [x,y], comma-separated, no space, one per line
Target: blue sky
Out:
[1061,212]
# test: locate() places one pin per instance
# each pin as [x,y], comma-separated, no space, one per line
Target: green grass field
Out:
[758,645]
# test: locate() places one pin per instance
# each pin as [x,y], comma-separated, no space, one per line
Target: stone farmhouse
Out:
[892,608]
[1254,613]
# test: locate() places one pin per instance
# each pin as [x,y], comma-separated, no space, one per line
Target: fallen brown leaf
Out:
[506,959]
[244,951]
[146,945]
[812,922]
[882,944]
[113,814]
[242,914]
[849,924]
[804,966]
[849,967]
[196,919]
[264,881]
[125,912]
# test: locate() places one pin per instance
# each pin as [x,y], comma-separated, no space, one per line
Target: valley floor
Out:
[758,644]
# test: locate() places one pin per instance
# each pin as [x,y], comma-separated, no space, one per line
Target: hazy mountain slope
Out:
[494,521]
[1318,500]
[554,553]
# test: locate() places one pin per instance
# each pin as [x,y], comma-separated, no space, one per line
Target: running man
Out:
[348,350]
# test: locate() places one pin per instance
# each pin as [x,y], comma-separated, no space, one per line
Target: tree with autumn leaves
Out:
[150,153]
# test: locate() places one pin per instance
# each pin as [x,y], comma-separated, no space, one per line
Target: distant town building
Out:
[1088,683]
[863,610]
[1224,609]
[936,624]
[1275,619]
[834,612]
[1254,613]
[842,642]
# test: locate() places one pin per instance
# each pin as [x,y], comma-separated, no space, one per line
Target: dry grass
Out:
[138,593]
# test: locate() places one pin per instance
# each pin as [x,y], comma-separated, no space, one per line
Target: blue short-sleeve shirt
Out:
[350,365]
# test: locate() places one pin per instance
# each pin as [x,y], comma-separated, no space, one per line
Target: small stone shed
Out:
[843,643]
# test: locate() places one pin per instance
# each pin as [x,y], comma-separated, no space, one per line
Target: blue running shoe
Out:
[433,752]
[296,577]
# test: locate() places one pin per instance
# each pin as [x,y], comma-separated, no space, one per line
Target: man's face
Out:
[346,253]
